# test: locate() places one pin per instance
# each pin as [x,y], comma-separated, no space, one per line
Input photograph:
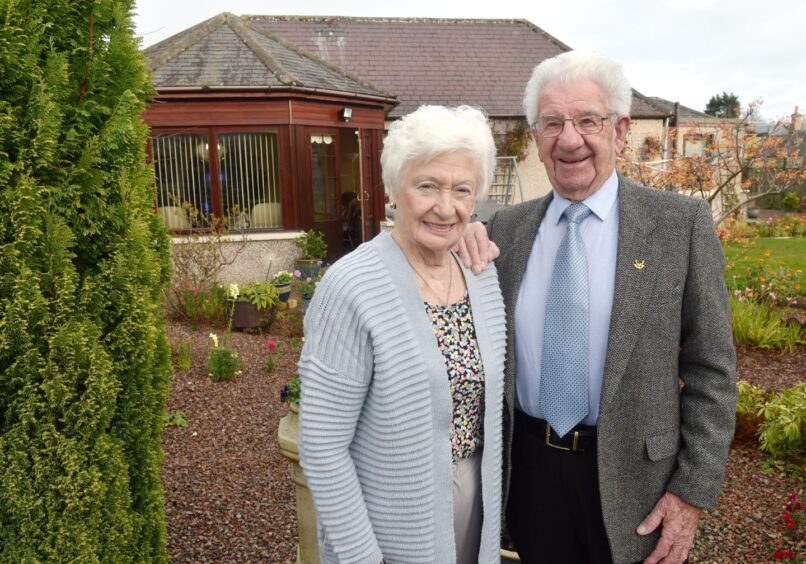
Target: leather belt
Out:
[579,439]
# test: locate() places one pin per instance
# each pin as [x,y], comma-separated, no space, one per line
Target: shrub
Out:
[756,325]
[790,201]
[312,245]
[785,226]
[84,361]
[183,358]
[748,412]
[222,364]
[783,432]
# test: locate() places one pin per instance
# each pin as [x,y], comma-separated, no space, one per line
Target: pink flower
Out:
[297,274]
[271,345]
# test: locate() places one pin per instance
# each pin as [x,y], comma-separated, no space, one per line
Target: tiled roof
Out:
[224,52]
[483,63]
[668,107]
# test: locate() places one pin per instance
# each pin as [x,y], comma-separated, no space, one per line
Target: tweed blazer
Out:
[667,408]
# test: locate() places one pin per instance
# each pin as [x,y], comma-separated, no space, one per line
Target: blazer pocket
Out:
[663,446]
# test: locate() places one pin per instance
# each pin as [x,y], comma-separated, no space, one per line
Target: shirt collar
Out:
[600,202]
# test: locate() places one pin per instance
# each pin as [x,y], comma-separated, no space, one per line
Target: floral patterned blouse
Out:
[456,337]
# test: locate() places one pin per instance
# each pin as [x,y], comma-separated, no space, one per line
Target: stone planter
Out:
[308,267]
[247,315]
[753,213]
[308,548]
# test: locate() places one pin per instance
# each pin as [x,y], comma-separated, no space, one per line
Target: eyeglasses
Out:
[585,124]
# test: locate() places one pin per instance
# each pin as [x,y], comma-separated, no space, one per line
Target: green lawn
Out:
[792,252]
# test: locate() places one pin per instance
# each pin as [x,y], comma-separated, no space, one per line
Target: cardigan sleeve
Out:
[330,406]
[335,370]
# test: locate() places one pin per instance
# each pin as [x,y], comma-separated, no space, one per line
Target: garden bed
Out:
[229,499]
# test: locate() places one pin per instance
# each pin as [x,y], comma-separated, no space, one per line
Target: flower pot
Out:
[284,290]
[753,213]
[246,315]
[308,267]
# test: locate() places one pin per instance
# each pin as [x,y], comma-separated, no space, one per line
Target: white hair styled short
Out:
[431,131]
[574,65]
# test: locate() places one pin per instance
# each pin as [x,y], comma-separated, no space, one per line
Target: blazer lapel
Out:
[515,258]
[636,269]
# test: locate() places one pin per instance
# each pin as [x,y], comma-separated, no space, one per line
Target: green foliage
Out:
[262,294]
[174,419]
[750,400]
[223,364]
[784,226]
[515,142]
[725,105]
[205,305]
[84,361]
[756,325]
[312,245]
[290,392]
[183,357]
[282,277]
[790,201]
[783,432]
[194,294]
[306,286]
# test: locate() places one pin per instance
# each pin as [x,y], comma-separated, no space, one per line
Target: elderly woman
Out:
[402,369]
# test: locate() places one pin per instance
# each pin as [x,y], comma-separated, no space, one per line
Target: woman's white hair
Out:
[430,131]
[574,65]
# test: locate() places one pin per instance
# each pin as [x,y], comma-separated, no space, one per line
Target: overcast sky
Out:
[681,50]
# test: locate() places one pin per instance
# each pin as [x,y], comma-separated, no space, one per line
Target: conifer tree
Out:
[83,263]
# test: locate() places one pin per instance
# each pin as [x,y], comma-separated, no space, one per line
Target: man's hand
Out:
[679,520]
[475,248]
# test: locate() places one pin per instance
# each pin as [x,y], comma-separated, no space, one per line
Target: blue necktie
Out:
[564,366]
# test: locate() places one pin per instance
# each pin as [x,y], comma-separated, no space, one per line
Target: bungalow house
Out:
[275,123]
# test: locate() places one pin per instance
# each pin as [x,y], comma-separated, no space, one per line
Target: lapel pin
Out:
[639,264]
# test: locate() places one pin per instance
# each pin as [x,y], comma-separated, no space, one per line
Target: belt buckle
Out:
[574,444]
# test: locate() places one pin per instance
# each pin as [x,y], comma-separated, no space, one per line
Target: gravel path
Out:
[229,497]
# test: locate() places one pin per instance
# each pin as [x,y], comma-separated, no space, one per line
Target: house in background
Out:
[275,123]
[247,129]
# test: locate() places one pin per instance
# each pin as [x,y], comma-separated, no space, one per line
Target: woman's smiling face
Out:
[436,200]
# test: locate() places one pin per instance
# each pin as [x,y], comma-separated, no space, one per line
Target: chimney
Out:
[797,121]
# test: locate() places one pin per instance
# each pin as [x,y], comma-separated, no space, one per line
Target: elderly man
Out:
[620,389]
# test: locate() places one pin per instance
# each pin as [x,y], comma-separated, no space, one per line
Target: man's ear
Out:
[621,127]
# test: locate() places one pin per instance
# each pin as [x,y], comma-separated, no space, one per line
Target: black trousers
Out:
[554,513]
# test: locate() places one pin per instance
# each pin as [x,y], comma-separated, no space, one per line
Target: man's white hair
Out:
[573,65]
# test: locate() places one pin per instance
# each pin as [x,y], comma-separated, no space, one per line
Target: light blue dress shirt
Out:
[600,234]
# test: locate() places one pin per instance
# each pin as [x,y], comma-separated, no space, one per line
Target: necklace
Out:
[427,285]
[450,280]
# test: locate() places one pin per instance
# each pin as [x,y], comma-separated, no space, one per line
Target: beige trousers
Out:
[467,508]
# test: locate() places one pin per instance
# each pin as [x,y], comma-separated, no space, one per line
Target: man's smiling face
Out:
[578,165]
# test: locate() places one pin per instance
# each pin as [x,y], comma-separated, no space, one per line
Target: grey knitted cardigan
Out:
[376,409]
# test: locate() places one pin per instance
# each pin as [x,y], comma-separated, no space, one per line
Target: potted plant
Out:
[306,286]
[282,281]
[255,305]
[314,250]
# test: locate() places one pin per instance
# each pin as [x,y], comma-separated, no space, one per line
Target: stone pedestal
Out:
[308,548]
